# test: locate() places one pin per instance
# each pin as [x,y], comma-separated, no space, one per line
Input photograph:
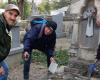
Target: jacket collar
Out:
[3,20]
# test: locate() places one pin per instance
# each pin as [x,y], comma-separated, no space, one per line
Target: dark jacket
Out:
[98,53]
[5,40]
[32,40]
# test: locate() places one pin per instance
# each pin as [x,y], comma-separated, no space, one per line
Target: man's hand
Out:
[98,21]
[2,71]
[52,59]
[26,56]
[97,61]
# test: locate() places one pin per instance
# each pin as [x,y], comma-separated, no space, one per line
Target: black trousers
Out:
[28,62]
[98,53]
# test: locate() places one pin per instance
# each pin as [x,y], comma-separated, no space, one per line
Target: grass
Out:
[61,57]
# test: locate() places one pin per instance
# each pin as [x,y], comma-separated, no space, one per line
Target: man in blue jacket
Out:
[42,37]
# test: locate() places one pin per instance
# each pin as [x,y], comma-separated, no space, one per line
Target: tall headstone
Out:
[59,20]
[15,37]
[88,31]
[16,46]
[73,50]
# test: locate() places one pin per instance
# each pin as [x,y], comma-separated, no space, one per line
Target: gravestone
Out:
[59,20]
[87,46]
[88,31]
[73,50]
[16,47]
[15,37]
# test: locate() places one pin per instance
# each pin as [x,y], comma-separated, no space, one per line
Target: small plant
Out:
[61,57]
[39,57]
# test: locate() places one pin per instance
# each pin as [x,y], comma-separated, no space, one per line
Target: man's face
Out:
[11,16]
[48,31]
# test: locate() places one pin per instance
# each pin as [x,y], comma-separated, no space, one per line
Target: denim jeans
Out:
[5,66]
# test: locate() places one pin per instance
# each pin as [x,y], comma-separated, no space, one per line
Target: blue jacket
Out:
[33,40]
[5,66]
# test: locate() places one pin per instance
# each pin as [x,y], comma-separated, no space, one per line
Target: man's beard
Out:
[11,23]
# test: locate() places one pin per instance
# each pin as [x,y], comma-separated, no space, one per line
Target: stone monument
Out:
[88,31]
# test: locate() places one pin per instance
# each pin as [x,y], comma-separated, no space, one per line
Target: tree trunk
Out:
[21,6]
[9,1]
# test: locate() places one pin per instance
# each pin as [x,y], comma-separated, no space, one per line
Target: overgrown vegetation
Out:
[44,8]
[27,9]
[48,5]
[61,57]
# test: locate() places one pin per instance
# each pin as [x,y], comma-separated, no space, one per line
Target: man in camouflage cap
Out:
[7,21]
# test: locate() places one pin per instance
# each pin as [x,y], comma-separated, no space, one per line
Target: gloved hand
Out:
[25,56]
[2,72]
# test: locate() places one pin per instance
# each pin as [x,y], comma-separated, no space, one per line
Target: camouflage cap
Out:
[11,7]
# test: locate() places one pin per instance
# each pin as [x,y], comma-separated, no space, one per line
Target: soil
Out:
[37,72]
